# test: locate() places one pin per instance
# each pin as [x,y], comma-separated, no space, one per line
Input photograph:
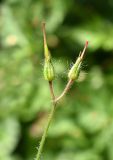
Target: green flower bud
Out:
[75,70]
[49,71]
[48,67]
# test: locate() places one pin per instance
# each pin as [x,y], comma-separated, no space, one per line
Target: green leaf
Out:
[93,121]
[9,135]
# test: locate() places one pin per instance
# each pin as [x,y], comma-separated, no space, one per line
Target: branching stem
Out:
[54,100]
[70,82]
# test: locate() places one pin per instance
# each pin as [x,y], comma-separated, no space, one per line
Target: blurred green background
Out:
[82,128]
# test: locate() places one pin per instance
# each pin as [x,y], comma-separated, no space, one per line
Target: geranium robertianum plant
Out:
[49,75]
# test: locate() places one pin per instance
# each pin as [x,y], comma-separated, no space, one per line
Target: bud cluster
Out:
[49,73]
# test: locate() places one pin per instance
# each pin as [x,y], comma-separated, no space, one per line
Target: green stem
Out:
[38,156]
[70,82]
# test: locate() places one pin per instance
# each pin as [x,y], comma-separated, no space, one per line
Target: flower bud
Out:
[75,70]
[48,67]
[49,71]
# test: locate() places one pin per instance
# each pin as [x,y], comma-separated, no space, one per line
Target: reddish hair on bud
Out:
[87,43]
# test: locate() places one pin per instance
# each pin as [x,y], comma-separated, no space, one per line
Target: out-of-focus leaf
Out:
[104,139]
[11,33]
[93,121]
[85,155]
[9,135]
[59,10]
[95,32]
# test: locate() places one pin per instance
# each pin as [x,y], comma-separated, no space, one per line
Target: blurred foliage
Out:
[83,125]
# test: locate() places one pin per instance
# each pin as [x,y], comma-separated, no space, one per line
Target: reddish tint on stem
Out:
[83,52]
[86,43]
[46,50]
[44,33]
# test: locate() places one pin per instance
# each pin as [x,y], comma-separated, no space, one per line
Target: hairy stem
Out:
[70,82]
[38,156]
[52,91]
[42,142]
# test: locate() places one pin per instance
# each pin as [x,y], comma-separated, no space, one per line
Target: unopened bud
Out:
[48,66]
[48,71]
[75,70]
